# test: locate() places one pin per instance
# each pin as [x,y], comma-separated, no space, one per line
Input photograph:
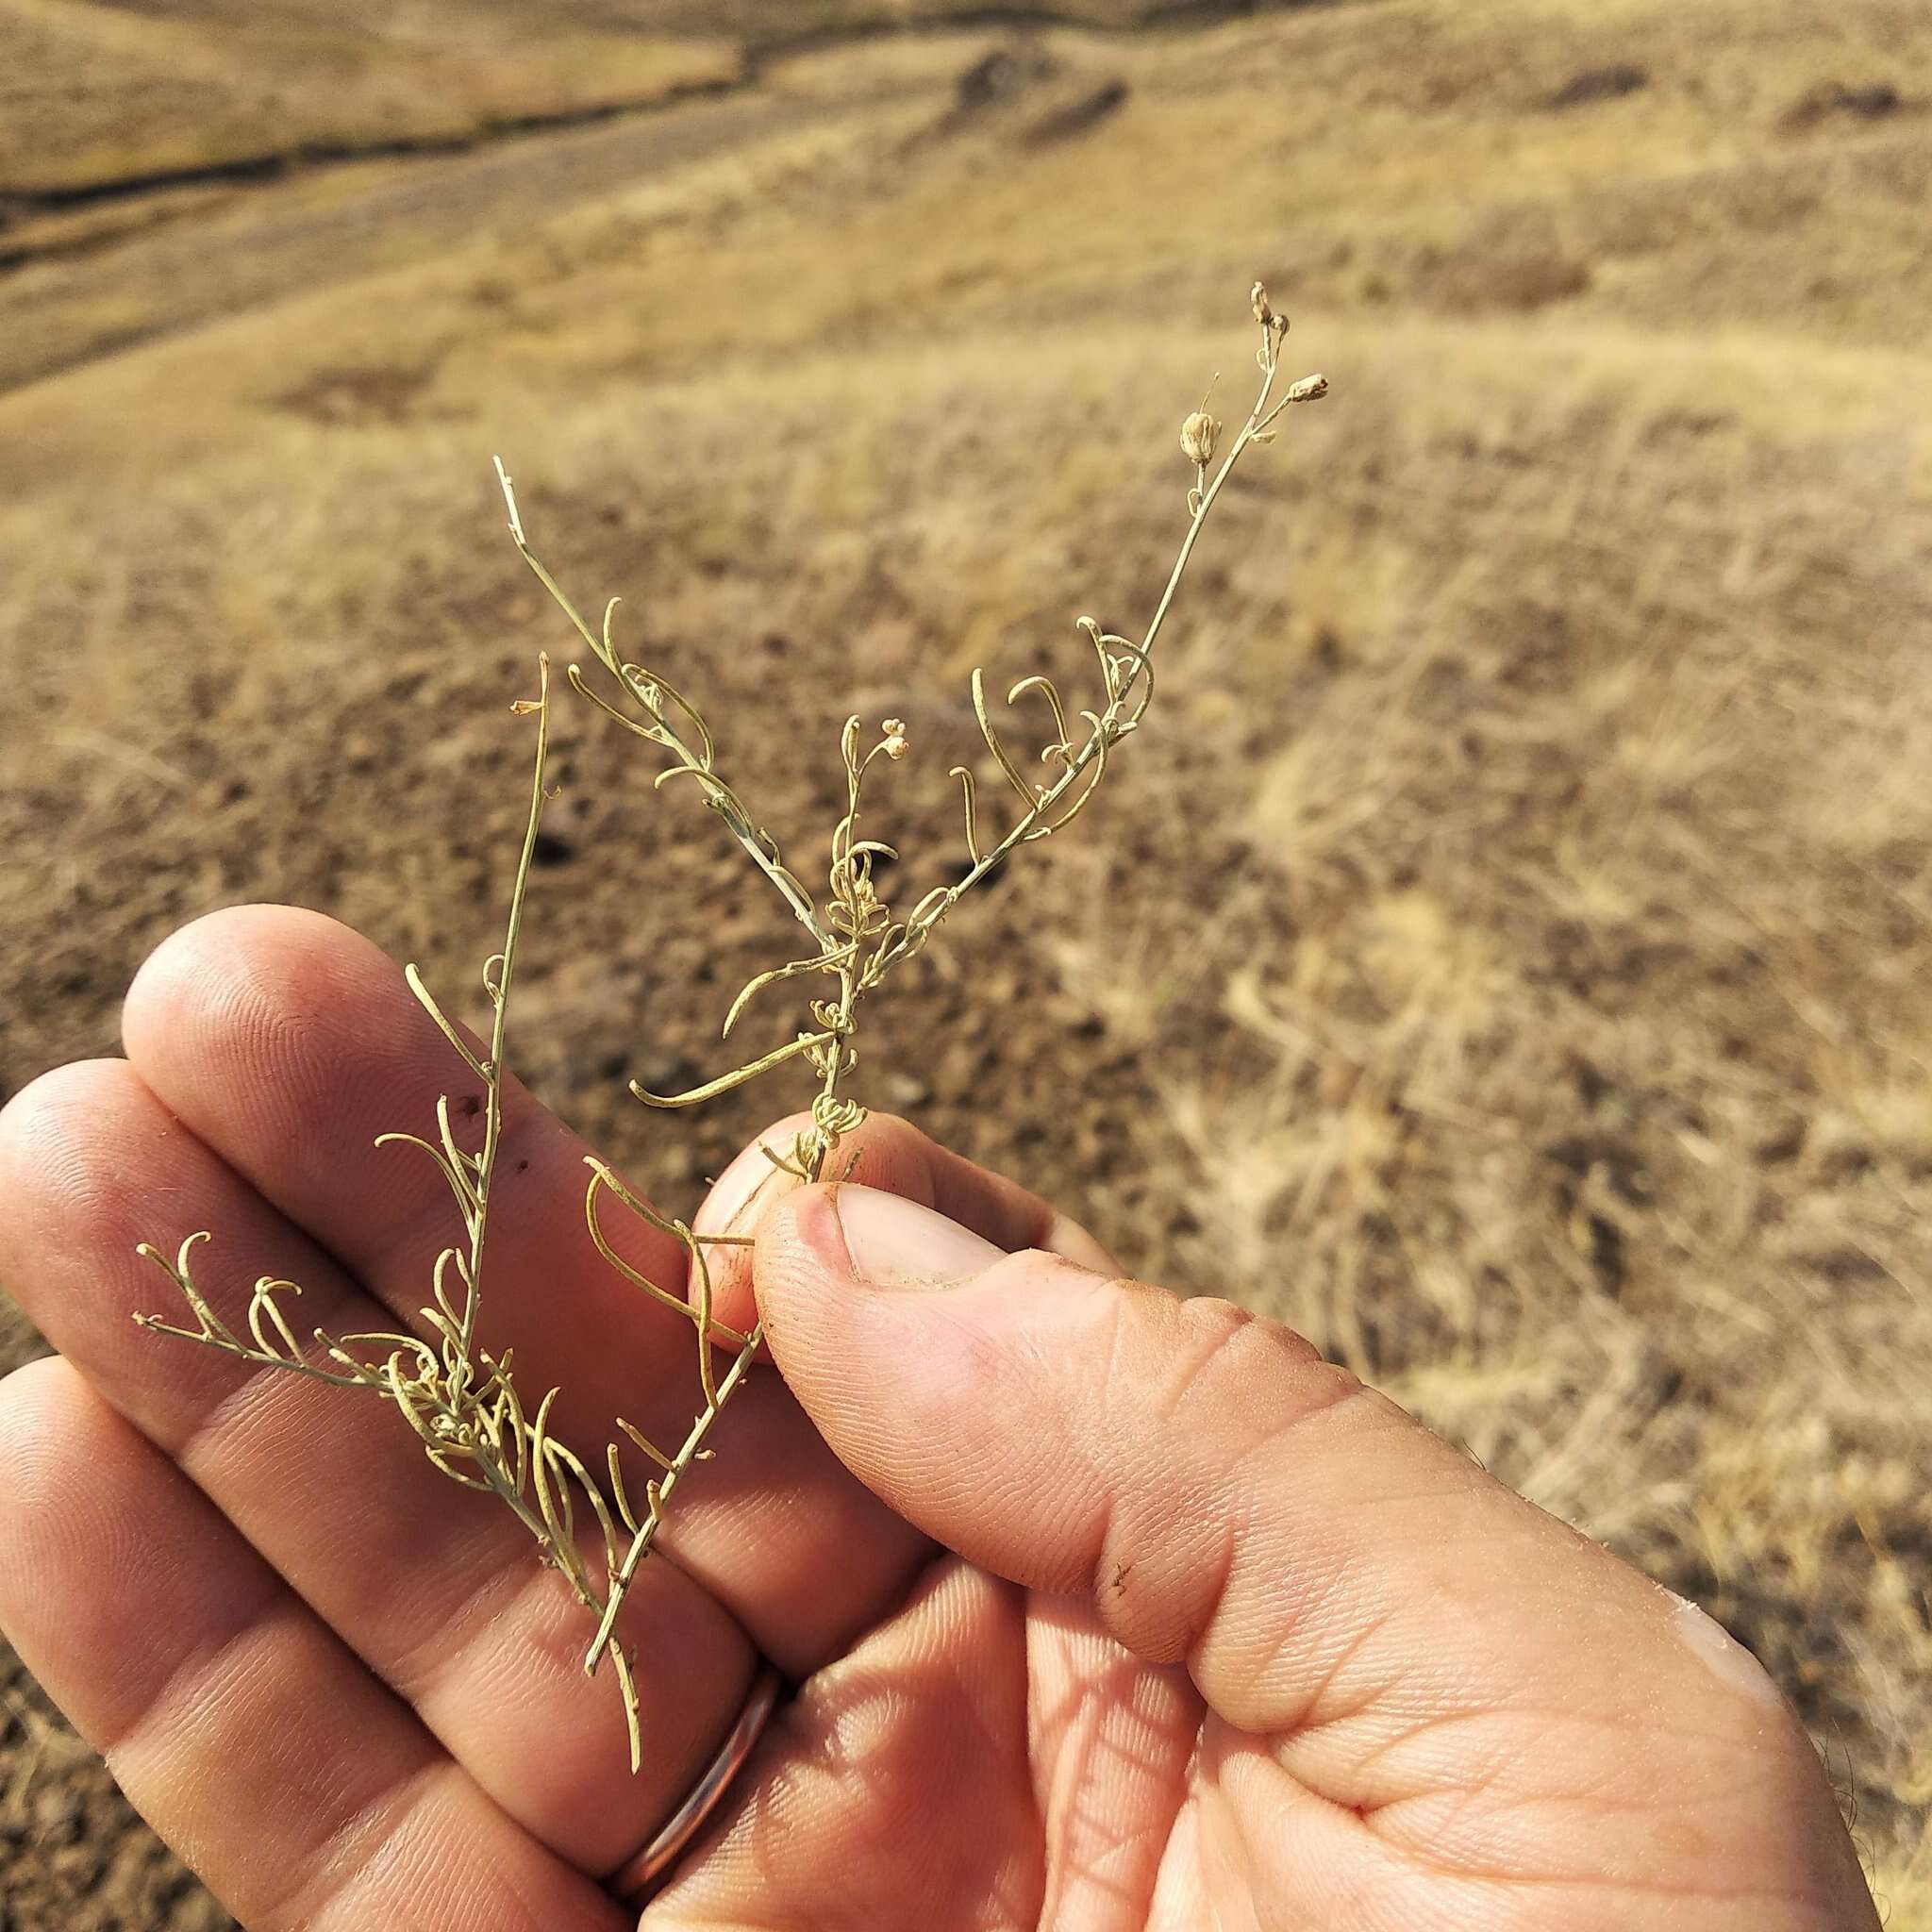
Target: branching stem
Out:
[462,1403]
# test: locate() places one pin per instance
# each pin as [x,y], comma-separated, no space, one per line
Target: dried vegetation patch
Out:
[95,100]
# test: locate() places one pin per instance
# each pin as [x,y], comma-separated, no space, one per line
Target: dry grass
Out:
[1548,740]
[98,92]
[91,96]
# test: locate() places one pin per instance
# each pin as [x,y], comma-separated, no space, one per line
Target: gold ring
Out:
[633,1881]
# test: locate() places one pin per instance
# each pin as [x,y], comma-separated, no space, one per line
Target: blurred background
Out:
[1506,955]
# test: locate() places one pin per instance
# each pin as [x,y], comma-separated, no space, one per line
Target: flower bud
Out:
[1199,434]
[1263,314]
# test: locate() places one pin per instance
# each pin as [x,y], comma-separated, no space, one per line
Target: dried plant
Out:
[462,1400]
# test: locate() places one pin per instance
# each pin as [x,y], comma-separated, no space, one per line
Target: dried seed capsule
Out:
[1199,434]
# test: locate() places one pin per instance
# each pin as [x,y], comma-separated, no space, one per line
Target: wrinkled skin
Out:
[1103,1609]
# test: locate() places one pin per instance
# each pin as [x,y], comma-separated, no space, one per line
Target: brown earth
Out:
[1507,954]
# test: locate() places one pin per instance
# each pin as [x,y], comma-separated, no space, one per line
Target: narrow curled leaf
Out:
[459,1185]
[427,1002]
[644,1442]
[584,689]
[603,1181]
[1062,742]
[602,1177]
[262,1305]
[701,1319]
[1028,794]
[790,970]
[552,1497]
[965,778]
[805,1043]
[635,679]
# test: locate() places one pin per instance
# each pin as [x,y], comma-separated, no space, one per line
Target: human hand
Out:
[1104,1610]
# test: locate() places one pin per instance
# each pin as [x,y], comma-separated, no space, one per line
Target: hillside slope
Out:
[1507,954]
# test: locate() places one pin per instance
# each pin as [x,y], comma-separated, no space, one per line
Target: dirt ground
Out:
[1507,954]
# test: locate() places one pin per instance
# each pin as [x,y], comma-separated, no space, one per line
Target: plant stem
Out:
[659,1493]
[499,992]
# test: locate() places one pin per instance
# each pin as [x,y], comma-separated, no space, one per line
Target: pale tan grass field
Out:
[91,94]
[1504,956]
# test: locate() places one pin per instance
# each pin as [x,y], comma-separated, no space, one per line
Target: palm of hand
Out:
[990,1756]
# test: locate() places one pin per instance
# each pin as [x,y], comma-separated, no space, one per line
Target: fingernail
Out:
[897,1244]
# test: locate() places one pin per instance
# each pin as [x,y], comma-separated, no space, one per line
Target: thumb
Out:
[1224,1495]
[1418,1643]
